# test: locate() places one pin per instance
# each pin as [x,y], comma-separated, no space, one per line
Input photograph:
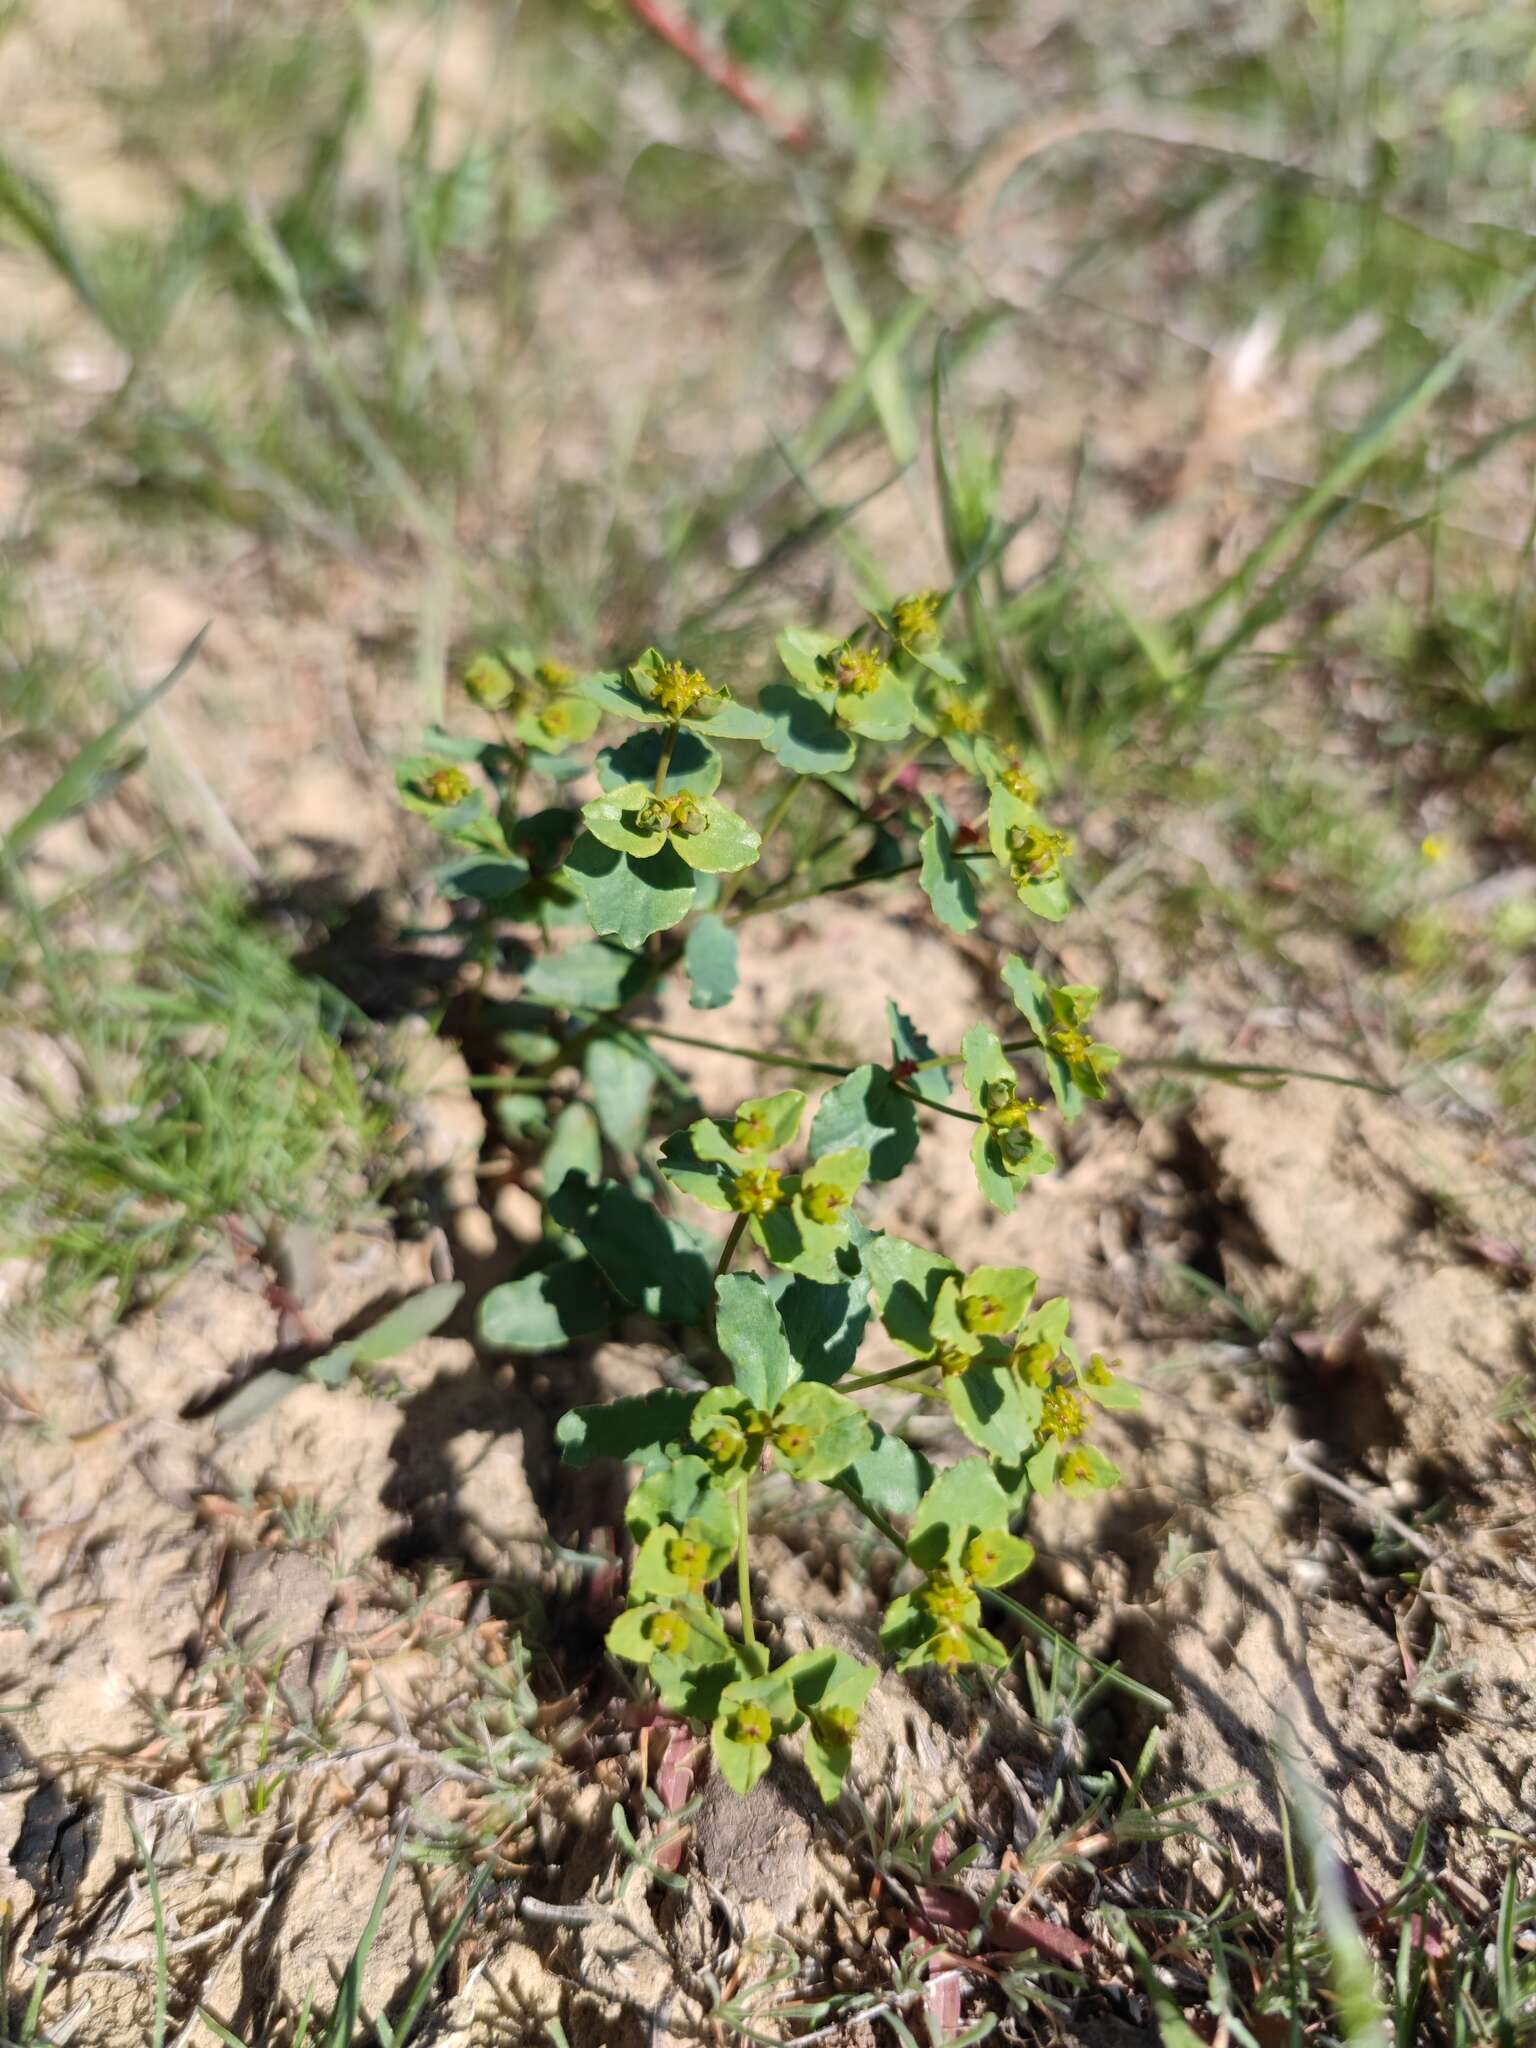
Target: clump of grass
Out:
[206,1086]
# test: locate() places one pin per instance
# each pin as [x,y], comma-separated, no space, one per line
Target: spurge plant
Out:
[657,874]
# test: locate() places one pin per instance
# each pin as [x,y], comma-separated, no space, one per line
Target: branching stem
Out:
[743,1568]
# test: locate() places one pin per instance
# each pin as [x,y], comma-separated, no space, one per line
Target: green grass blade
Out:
[76,785]
[1505,1978]
[440,1955]
[349,2004]
[157,1908]
[34,214]
[1365,449]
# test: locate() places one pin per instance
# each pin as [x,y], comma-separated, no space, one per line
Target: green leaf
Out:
[1099,1384]
[649,1260]
[743,1763]
[908,1043]
[824,1322]
[1084,1469]
[334,1368]
[614,819]
[589,976]
[710,957]
[749,1332]
[826,1685]
[642,1429]
[544,837]
[837,1429]
[623,1081]
[946,881]
[1049,899]
[939,664]
[564,722]
[798,1239]
[1000,1296]
[549,1310]
[653,1573]
[694,764]
[259,1393]
[483,879]
[996,1557]
[708,1179]
[885,714]
[965,1499]
[683,1491]
[1031,993]
[725,844]
[907,1278]
[891,1477]
[629,899]
[574,1147]
[864,1111]
[992,1175]
[767,1123]
[803,734]
[90,766]
[408,1324]
[985,1061]
[798,648]
[996,1408]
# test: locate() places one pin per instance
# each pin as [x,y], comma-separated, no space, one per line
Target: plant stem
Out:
[743,1570]
[665,762]
[771,825]
[885,1379]
[759,904]
[764,1058]
[965,1116]
[864,816]
[728,1249]
[1183,1063]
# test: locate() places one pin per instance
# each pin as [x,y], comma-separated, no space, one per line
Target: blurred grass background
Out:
[1194,339]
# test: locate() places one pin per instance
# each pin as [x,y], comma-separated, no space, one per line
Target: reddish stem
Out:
[680,33]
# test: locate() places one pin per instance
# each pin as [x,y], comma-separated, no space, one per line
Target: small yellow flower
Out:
[1037,852]
[1034,1362]
[1020,783]
[752,1132]
[983,1554]
[951,1650]
[961,714]
[1069,1044]
[488,681]
[951,1359]
[688,1558]
[1434,847]
[944,1599]
[554,675]
[757,1191]
[836,1725]
[825,1203]
[1098,1372]
[981,1314]
[682,692]
[667,1631]
[446,786]
[555,720]
[916,617]
[725,1445]
[854,671]
[793,1439]
[1062,1415]
[751,1723]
